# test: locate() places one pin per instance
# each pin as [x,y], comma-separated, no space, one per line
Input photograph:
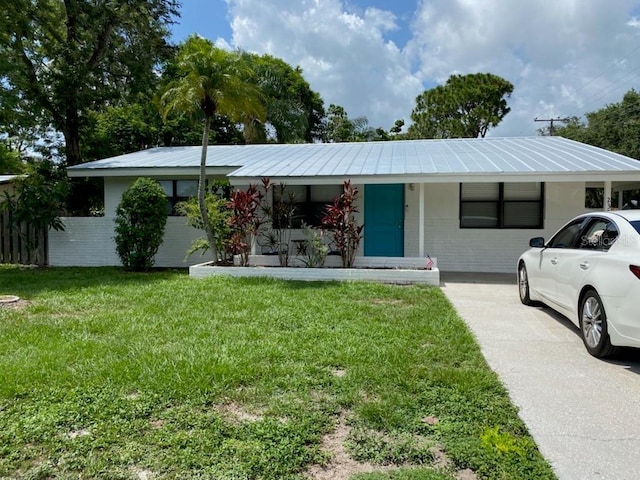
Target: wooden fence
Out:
[16,243]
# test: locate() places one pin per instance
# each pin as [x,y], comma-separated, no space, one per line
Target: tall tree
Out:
[615,127]
[340,128]
[294,111]
[213,82]
[66,56]
[466,106]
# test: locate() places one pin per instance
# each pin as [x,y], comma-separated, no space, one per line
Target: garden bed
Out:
[398,270]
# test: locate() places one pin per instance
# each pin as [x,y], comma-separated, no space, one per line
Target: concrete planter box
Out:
[397,274]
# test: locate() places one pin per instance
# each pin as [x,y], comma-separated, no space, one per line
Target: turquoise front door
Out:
[384,220]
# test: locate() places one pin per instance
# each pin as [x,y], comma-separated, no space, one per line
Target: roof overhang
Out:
[147,172]
[600,177]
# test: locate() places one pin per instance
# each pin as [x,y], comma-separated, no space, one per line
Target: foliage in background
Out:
[339,220]
[466,106]
[140,220]
[37,200]
[94,53]
[615,127]
[10,162]
[294,112]
[211,81]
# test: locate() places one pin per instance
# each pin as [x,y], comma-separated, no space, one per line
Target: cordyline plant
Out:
[339,219]
[245,221]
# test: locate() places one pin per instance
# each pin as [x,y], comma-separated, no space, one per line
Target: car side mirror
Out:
[536,242]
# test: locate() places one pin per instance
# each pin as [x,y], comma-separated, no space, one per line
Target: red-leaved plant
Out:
[340,221]
[245,221]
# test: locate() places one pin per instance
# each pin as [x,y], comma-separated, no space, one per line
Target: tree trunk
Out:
[71,133]
[202,185]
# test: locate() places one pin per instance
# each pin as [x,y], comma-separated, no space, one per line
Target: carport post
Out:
[607,195]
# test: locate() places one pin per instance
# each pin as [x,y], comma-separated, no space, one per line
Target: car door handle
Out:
[584,265]
[554,261]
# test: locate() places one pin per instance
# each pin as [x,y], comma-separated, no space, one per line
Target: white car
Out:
[589,271]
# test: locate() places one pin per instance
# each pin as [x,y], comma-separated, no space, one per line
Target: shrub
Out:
[140,221]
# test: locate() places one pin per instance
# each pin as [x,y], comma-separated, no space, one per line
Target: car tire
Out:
[523,285]
[594,327]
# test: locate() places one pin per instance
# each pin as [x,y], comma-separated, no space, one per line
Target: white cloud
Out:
[565,57]
[344,55]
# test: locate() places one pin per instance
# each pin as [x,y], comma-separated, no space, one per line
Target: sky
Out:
[564,57]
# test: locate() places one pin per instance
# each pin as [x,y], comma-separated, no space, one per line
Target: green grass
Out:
[119,375]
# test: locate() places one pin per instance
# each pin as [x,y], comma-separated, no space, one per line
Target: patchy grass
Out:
[119,375]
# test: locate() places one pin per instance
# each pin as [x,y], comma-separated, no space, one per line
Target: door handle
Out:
[554,261]
[584,265]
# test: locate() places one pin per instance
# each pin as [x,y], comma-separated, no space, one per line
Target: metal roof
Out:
[6,178]
[415,159]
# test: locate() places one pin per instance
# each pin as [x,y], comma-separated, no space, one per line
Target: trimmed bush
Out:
[140,221]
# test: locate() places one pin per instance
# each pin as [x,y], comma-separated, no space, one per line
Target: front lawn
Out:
[108,374]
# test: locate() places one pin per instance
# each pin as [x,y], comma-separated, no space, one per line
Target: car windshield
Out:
[636,224]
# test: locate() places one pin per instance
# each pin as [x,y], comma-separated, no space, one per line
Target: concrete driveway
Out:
[583,413]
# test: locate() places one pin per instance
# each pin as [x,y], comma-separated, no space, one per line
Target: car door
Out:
[574,265]
[559,247]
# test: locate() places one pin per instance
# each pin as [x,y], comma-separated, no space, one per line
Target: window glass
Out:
[167,186]
[568,236]
[479,214]
[636,224]
[521,214]
[325,193]
[480,191]
[501,205]
[522,191]
[591,239]
[186,188]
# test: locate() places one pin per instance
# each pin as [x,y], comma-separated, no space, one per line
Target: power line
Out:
[551,120]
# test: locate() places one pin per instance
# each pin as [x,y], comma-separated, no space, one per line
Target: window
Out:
[178,191]
[599,235]
[309,201]
[568,236]
[501,205]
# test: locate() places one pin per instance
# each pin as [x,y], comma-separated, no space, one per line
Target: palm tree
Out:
[213,81]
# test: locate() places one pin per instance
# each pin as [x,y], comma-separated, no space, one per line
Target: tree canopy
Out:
[615,127]
[466,106]
[58,59]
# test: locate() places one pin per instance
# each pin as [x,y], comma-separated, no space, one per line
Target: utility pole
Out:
[551,120]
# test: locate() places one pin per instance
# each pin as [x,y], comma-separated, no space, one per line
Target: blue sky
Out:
[375,56]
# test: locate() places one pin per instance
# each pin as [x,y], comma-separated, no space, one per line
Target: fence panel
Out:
[15,243]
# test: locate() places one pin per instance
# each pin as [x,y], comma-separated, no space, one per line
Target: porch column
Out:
[421,221]
[620,200]
[607,195]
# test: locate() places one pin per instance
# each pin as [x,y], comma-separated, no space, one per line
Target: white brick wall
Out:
[88,241]
[481,250]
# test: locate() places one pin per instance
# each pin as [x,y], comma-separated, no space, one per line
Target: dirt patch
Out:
[341,466]
[236,412]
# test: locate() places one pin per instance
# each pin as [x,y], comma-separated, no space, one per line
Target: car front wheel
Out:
[593,326]
[523,285]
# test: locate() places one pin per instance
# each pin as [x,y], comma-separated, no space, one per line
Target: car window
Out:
[636,224]
[568,236]
[599,234]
